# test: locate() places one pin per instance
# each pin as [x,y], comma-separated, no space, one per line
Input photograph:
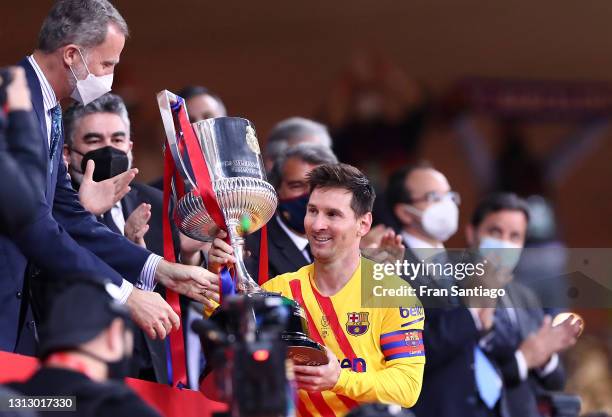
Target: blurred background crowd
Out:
[499,97]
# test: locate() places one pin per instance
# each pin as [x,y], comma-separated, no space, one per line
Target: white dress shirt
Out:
[117,215]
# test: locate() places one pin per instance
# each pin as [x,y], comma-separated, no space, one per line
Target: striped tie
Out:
[56,133]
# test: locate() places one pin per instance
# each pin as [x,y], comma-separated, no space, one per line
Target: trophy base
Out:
[304,351]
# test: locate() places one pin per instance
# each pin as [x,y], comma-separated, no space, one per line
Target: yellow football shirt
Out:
[380,350]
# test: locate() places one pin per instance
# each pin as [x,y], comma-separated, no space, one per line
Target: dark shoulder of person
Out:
[92,398]
[122,401]
[148,193]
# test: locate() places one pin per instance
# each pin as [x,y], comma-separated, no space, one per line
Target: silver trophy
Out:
[238,177]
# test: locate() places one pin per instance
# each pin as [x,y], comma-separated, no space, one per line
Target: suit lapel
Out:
[129,203]
[292,257]
[39,108]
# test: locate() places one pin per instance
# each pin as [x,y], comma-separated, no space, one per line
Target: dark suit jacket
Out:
[19,154]
[507,337]
[450,335]
[149,355]
[64,239]
[283,255]
[142,193]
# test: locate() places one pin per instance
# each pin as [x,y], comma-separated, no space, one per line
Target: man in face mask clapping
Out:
[523,342]
[288,247]
[421,199]
[98,153]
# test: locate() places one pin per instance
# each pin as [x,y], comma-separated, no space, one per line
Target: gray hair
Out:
[108,103]
[310,153]
[292,130]
[81,22]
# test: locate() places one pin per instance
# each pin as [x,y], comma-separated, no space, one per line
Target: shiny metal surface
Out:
[231,151]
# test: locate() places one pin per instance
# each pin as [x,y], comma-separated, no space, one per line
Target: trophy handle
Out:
[165,100]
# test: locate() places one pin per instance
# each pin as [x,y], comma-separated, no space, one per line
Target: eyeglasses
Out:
[434,197]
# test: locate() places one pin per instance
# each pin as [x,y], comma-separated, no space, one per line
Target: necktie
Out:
[488,382]
[307,249]
[56,133]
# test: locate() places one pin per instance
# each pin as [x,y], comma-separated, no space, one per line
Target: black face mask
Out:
[117,370]
[293,211]
[109,162]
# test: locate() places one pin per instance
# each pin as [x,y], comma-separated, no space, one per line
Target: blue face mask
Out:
[501,253]
[292,212]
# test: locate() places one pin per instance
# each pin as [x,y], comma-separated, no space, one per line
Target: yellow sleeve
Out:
[401,379]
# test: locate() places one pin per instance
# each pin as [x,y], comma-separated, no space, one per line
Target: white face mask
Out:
[501,253]
[440,220]
[92,87]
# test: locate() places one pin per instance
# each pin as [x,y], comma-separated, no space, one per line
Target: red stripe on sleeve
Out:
[391,339]
[403,349]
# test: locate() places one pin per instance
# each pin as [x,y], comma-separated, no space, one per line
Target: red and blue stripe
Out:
[396,345]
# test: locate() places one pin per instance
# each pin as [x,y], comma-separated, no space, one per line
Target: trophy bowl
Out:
[238,198]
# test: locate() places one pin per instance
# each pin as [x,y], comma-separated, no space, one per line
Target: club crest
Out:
[357,323]
[413,338]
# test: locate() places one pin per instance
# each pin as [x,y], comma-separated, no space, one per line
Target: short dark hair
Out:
[192,91]
[349,178]
[496,202]
[108,103]
[82,22]
[310,153]
[397,192]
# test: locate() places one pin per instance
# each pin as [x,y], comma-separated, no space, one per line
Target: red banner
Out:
[169,402]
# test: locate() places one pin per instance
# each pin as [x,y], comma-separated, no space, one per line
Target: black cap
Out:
[78,313]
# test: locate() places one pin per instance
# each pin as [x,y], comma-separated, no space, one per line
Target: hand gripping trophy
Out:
[219,182]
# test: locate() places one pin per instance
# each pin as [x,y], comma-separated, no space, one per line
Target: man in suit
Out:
[79,45]
[98,135]
[523,342]
[288,248]
[100,132]
[457,373]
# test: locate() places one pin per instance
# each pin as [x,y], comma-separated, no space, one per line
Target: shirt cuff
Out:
[125,290]
[146,281]
[550,366]
[521,363]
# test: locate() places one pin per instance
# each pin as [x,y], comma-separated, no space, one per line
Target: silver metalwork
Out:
[231,151]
